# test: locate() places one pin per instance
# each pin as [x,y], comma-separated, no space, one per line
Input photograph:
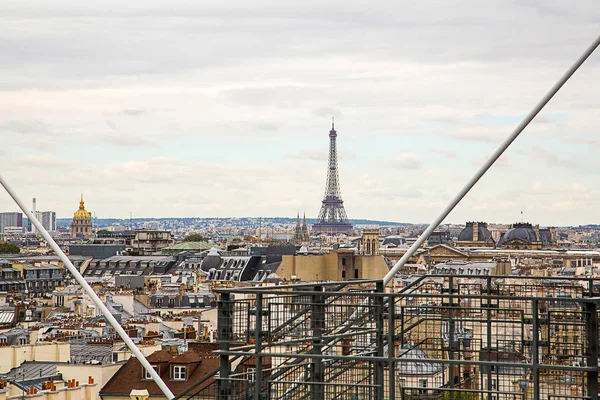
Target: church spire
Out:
[81,203]
[304,230]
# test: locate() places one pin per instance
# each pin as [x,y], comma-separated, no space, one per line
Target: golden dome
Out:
[82,213]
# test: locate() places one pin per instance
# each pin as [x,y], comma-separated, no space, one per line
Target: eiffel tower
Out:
[332,218]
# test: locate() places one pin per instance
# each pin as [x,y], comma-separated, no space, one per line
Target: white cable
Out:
[484,168]
[541,104]
[90,292]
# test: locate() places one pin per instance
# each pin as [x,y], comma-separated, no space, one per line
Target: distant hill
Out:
[241,221]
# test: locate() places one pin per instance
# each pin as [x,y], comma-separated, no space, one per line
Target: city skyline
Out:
[421,95]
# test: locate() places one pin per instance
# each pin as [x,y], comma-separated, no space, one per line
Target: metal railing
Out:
[446,337]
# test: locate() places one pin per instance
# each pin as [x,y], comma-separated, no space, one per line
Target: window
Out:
[22,340]
[146,373]
[251,374]
[3,340]
[343,274]
[171,302]
[115,357]
[179,373]
[355,274]
[422,384]
[343,261]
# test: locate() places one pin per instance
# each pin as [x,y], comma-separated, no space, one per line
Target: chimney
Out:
[34,209]
[475,231]
[537,233]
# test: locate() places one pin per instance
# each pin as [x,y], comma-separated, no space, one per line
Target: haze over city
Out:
[189,109]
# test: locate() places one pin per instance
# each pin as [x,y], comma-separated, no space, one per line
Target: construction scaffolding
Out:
[440,337]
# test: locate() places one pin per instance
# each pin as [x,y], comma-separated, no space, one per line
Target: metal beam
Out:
[89,291]
[485,167]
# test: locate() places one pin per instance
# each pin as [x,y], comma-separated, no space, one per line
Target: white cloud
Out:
[407,161]
[238,113]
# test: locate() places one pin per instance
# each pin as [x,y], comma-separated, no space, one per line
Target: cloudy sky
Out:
[198,108]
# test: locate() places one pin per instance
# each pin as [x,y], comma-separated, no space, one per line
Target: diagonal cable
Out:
[485,167]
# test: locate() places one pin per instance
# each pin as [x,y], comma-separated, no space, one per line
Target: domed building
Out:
[525,236]
[475,234]
[81,227]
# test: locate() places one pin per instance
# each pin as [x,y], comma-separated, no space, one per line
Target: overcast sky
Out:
[197,108]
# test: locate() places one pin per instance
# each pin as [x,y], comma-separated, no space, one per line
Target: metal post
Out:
[489,334]
[391,347]
[591,310]
[317,324]
[535,356]
[257,347]
[224,335]
[379,367]
[451,334]
[90,292]
[486,166]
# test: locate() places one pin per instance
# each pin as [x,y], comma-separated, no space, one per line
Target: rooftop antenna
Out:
[521,216]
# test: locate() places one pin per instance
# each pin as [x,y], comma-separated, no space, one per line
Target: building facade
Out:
[10,219]
[81,227]
[370,242]
[150,241]
[43,279]
[48,220]
[475,234]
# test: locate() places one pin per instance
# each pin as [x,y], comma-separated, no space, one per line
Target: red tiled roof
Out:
[187,357]
[203,348]
[159,357]
[129,376]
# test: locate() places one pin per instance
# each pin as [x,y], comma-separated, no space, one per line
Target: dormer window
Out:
[147,374]
[179,373]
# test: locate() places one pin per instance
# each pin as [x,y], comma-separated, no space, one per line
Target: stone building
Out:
[337,265]
[370,242]
[150,241]
[475,234]
[81,227]
[525,236]
[301,233]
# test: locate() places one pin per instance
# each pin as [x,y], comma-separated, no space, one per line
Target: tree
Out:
[194,237]
[103,232]
[460,395]
[9,248]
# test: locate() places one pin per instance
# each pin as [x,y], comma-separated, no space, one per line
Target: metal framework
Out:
[332,218]
[441,337]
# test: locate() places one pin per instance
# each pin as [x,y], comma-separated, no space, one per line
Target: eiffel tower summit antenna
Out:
[332,218]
